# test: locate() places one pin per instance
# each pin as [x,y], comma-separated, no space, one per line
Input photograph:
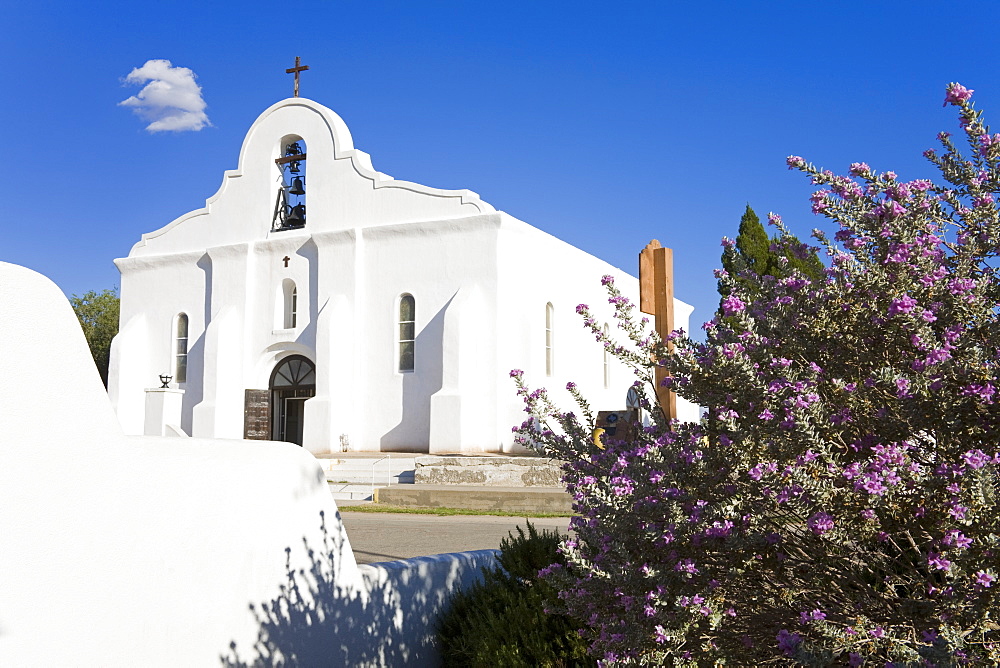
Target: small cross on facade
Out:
[295,70]
[285,260]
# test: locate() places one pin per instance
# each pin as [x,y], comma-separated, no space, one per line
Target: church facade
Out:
[316,300]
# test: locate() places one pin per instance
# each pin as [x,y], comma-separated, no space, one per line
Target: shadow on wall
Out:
[413,433]
[314,622]
[194,393]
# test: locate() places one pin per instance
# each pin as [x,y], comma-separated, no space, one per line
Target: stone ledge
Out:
[504,471]
[509,499]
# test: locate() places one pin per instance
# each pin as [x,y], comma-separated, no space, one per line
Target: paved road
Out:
[388,536]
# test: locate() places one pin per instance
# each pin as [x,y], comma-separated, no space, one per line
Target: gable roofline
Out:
[343,149]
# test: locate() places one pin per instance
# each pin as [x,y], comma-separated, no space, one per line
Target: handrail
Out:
[389,471]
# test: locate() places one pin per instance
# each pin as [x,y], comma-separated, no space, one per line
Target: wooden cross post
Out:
[298,68]
[656,297]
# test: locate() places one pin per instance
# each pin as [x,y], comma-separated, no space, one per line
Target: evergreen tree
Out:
[753,247]
[765,256]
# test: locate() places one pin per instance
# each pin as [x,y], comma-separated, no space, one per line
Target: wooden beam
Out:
[664,272]
[656,297]
[647,292]
[290,158]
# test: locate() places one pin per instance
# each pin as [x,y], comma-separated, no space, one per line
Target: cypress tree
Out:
[754,252]
[753,245]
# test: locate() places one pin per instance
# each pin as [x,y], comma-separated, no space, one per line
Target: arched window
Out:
[407,331]
[287,316]
[607,361]
[181,348]
[549,361]
[290,207]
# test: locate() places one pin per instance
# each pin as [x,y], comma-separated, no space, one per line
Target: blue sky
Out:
[606,125]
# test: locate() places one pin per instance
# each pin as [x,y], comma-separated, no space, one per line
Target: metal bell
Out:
[298,187]
[296,216]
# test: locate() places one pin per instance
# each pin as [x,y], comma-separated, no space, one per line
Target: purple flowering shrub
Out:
[838,503]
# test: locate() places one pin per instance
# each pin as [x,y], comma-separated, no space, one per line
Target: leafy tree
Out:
[763,256]
[98,314]
[838,503]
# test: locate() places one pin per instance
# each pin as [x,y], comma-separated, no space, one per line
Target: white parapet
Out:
[163,410]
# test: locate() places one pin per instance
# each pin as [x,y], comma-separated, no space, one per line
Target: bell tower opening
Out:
[290,205]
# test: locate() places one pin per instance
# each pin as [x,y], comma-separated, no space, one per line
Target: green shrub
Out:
[502,620]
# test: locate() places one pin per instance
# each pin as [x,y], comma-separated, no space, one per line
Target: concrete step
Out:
[365,477]
[377,467]
[508,499]
[350,492]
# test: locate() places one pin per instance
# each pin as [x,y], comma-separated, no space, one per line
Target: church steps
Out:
[350,492]
[380,468]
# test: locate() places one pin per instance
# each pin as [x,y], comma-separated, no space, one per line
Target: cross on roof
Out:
[298,68]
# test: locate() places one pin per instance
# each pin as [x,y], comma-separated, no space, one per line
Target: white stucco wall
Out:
[141,550]
[480,280]
[125,551]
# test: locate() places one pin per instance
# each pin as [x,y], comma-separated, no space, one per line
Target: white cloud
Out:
[171,100]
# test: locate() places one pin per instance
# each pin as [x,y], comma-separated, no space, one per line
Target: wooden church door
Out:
[278,413]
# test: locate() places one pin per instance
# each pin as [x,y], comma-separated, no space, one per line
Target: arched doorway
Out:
[293,381]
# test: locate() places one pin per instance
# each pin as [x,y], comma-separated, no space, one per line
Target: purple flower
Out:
[957,511]
[904,304]
[956,538]
[871,483]
[902,388]
[859,168]
[732,304]
[788,642]
[794,161]
[661,634]
[820,523]
[622,486]
[686,566]
[956,93]
[984,579]
[937,561]
[976,459]
[719,529]
[985,393]
[815,615]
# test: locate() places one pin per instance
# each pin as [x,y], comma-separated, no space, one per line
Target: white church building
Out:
[318,301]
